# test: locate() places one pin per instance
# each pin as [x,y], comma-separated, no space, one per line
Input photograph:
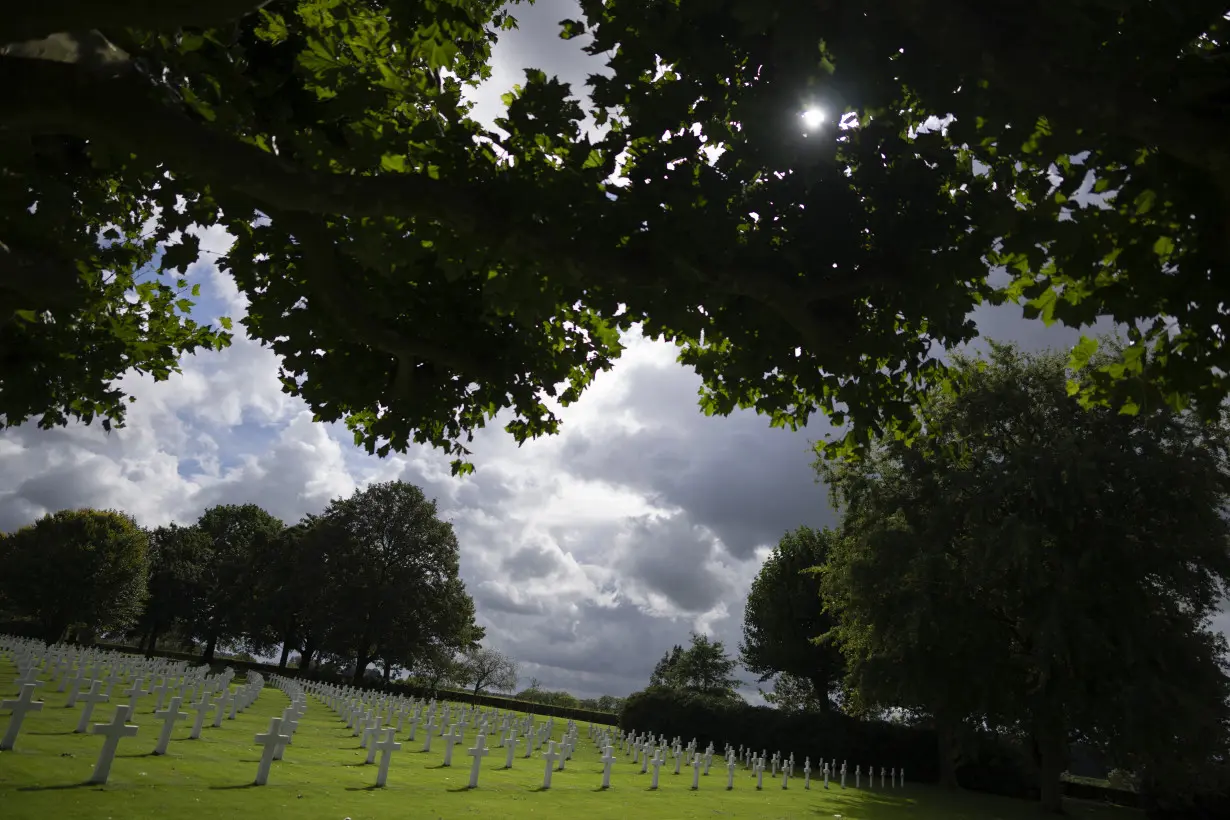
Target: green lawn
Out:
[323,776]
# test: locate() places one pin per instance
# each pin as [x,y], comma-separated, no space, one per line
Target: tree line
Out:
[1023,568]
[371,580]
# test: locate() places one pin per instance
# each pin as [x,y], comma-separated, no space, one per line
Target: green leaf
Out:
[1081,353]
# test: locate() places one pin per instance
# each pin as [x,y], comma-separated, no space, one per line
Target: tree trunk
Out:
[1051,752]
[151,642]
[360,666]
[388,670]
[308,653]
[210,646]
[285,655]
[949,751]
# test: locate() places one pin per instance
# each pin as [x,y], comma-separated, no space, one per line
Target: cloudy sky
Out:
[589,554]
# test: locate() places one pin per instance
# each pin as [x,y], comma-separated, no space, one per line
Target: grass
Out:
[323,776]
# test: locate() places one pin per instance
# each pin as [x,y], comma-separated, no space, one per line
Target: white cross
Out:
[731,765]
[24,703]
[657,762]
[550,756]
[113,733]
[695,772]
[95,695]
[430,733]
[168,717]
[510,747]
[478,752]
[201,707]
[270,741]
[608,759]
[386,747]
[451,738]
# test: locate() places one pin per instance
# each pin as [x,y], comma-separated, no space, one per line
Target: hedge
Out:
[994,764]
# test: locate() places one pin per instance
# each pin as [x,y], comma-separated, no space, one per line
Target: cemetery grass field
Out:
[323,775]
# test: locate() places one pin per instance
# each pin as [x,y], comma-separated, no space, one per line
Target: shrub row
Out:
[994,765]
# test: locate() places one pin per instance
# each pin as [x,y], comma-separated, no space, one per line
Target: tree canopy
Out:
[419,273]
[703,667]
[1042,568]
[784,618]
[76,568]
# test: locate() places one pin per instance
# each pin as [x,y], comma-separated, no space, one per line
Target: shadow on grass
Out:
[49,733]
[460,789]
[232,788]
[60,787]
[371,788]
[438,766]
[136,754]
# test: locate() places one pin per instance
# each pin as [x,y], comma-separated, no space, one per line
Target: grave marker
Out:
[113,732]
[478,752]
[20,706]
[386,748]
[270,741]
[95,695]
[168,717]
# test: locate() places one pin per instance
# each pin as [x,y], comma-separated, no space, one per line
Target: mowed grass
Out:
[323,775]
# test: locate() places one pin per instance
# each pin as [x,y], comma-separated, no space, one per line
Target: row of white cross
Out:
[651,751]
[89,677]
[78,669]
[365,713]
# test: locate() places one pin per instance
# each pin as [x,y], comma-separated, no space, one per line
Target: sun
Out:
[813,118]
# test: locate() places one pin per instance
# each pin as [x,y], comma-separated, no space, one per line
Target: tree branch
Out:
[124,110]
[39,18]
[319,259]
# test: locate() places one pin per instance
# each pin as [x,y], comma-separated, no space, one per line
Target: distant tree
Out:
[487,668]
[76,568]
[179,559]
[610,703]
[238,533]
[437,667]
[666,671]
[295,573]
[398,589]
[794,694]
[704,666]
[785,616]
[1041,567]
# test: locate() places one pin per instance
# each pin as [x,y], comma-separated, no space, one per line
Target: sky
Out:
[588,554]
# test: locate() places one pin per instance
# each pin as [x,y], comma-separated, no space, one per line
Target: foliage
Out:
[419,274]
[397,591]
[784,616]
[179,557]
[703,667]
[1041,567]
[485,668]
[76,568]
[238,534]
[792,693]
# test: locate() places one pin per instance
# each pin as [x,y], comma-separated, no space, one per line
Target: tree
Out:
[784,616]
[792,693]
[610,703]
[436,667]
[295,572]
[1041,567]
[76,568]
[666,671]
[487,668]
[419,274]
[179,558]
[399,592]
[704,666]
[238,534]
